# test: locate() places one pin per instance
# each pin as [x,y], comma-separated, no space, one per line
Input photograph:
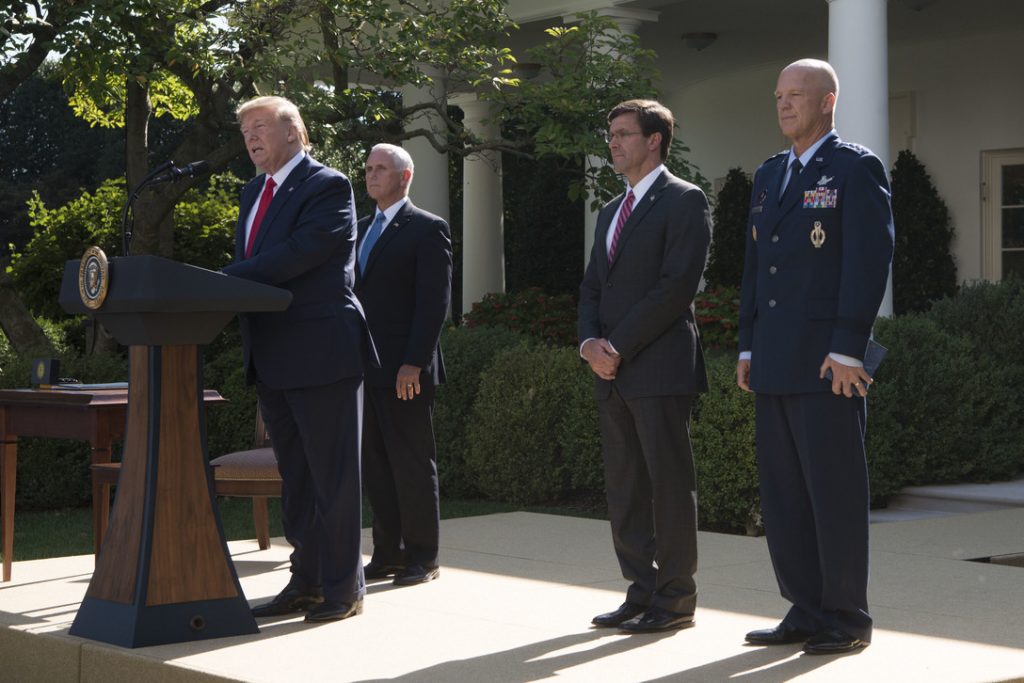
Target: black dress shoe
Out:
[832,641]
[329,610]
[625,612]
[657,619]
[780,635]
[378,570]
[416,573]
[292,599]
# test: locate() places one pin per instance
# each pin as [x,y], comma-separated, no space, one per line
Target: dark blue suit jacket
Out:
[800,301]
[643,302]
[306,244]
[406,289]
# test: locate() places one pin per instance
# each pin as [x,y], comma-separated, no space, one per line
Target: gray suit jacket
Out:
[643,301]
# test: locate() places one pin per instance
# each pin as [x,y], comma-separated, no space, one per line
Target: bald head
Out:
[805,100]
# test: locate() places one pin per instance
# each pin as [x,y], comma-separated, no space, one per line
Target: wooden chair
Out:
[250,474]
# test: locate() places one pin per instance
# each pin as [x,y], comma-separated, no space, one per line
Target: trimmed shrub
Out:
[515,454]
[545,317]
[922,268]
[229,427]
[722,431]
[938,412]
[467,353]
[728,242]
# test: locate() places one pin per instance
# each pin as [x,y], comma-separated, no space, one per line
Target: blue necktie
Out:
[371,239]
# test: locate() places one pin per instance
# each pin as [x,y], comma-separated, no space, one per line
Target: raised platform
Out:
[514,603]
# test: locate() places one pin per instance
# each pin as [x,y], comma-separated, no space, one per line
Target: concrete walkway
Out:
[514,603]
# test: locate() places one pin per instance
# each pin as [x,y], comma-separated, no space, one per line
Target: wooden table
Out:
[97,416]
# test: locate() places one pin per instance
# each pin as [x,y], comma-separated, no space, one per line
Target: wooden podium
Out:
[163,574]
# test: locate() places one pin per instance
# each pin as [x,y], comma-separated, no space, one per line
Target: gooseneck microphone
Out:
[164,173]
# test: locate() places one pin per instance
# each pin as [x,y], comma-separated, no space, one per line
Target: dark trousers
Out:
[400,476]
[814,495]
[316,433]
[652,497]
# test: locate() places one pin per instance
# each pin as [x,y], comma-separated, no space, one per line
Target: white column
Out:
[627,21]
[858,49]
[483,242]
[429,189]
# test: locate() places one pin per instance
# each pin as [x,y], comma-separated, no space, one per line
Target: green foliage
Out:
[722,431]
[717,310]
[229,427]
[550,319]
[544,229]
[591,66]
[922,269]
[204,219]
[468,352]
[939,413]
[728,244]
[515,454]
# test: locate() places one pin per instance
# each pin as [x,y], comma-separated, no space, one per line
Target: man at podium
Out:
[296,230]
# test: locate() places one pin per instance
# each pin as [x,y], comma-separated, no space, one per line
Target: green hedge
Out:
[514,450]
[722,431]
[467,352]
[946,406]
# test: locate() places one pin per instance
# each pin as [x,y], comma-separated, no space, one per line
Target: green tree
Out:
[728,244]
[923,269]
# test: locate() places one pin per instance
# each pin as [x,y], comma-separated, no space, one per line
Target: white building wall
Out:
[968,97]
[967,94]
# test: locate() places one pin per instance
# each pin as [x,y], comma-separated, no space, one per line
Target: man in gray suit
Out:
[638,334]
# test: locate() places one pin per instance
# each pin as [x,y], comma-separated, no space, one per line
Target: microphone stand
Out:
[128,215]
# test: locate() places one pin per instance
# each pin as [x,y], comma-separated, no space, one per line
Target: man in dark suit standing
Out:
[639,336]
[296,230]
[404,279]
[819,245]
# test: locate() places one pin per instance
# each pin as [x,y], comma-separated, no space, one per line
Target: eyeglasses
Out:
[620,135]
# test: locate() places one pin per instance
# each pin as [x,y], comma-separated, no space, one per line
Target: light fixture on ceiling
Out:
[699,40]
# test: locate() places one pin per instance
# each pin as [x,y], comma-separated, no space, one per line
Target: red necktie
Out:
[261,210]
[627,208]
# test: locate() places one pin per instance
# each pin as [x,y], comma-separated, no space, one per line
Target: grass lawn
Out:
[58,533]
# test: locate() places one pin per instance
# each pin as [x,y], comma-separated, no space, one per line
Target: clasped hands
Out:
[603,359]
[846,379]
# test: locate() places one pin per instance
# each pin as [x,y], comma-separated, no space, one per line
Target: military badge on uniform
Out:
[761,197]
[817,235]
[753,233]
[821,198]
[825,180]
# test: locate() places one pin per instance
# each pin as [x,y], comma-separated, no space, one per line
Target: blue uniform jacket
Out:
[816,265]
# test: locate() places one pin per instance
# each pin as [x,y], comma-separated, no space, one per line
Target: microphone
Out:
[193,170]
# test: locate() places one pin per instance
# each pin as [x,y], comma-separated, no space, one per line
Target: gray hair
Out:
[402,159]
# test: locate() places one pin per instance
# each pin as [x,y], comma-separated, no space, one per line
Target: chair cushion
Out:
[258,463]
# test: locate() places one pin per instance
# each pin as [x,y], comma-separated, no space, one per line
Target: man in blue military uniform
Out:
[819,246]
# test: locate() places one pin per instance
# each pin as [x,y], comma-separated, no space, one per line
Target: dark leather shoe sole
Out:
[780,635]
[417,578]
[834,647]
[373,572]
[334,611]
[644,625]
[625,612]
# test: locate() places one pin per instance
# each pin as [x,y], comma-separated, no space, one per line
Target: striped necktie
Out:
[624,212]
